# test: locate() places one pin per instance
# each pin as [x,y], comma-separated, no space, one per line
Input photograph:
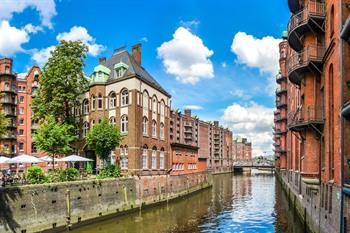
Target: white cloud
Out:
[189,24]
[258,53]
[144,39]
[11,39]
[30,28]
[46,9]
[240,94]
[80,33]
[193,107]
[252,121]
[41,56]
[223,64]
[186,57]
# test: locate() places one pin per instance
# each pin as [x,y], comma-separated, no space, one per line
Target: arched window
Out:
[112,121]
[124,157]
[124,124]
[145,157]
[100,102]
[145,126]
[162,108]
[92,123]
[161,131]
[7,69]
[145,100]
[85,128]
[93,102]
[7,86]
[86,106]
[112,100]
[154,129]
[154,104]
[331,21]
[154,158]
[162,159]
[125,97]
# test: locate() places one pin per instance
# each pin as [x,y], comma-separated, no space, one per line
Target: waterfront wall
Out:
[319,212]
[54,207]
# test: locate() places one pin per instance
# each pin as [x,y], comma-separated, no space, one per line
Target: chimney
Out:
[102,60]
[136,53]
[216,123]
[188,112]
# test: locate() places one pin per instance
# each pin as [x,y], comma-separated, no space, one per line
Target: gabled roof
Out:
[122,56]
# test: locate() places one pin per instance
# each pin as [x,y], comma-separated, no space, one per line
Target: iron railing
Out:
[313,9]
[306,115]
[311,53]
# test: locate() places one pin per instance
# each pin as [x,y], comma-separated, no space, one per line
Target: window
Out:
[93,102]
[161,134]
[145,100]
[162,108]
[124,124]
[7,86]
[7,69]
[144,158]
[86,106]
[331,22]
[92,123]
[112,100]
[154,105]
[85,128]
[21,146]
[154,128]
[125,97]
[154,158]
[161,159]
[21,121]
[21,110]
[145,126]
[21,132]
[112,121]
[21,99]
[100,102]
[124,157]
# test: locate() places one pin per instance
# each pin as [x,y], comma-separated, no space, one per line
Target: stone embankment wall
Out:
[54,207]
[318,212]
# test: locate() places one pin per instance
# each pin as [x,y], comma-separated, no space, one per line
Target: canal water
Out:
[235,203]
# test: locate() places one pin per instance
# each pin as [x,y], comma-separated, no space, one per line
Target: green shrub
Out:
[69,174]
[54,176]
[89,169]
[35,175]
[109,172]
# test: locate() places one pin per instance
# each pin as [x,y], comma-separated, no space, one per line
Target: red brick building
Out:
[241,149]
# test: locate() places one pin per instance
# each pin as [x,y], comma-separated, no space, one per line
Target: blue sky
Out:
[217,57]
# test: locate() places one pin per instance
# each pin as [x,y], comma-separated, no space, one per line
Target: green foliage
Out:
[89,168]
[69,174]
[62,82]
[35,175]
[53,137]
[109,172]
[103,138]
[3,122]
[53,176]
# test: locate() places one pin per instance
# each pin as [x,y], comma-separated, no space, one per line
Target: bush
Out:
[69,174]
[35,175]
[54,176]
[109,172]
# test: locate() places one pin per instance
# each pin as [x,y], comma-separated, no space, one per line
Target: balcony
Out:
[9,136]
[8,100]
[309,60]
[280,118]
[281,103]
[280,78]
[12,89]
[311,18]
[280,91]
[294,6]
[305,117]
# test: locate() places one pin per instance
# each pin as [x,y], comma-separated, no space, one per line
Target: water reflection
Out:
[234,204]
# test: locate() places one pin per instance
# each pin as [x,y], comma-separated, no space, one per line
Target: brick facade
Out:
[241,149]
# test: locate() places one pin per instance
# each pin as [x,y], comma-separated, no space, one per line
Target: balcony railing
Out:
[310,18]
[280,90]
[281,103]
[304,117]
[309,59]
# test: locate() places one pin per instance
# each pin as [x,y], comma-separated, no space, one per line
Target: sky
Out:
[218,58]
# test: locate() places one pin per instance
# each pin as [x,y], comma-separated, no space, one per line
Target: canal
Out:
[235,203]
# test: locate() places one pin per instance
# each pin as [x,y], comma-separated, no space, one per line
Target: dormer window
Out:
[99,74]
[120,69]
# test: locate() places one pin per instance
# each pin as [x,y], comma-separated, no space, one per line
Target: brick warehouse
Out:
[241,149]
[125,93]
[310,133]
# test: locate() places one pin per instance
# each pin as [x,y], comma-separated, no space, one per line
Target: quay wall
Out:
[55,207]
[320,213]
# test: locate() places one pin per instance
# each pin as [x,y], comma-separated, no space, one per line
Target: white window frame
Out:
[85,107]
[124,158]
[85,128]
[161,131]
[145,158]
[112,121]
[162,159]
[124,124]
[154,159]
[145,126]
[125,97]
[112,100]
[154,129]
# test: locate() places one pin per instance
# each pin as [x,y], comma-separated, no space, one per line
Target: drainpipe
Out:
[341,61]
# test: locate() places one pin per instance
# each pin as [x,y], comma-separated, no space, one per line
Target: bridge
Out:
[253,164]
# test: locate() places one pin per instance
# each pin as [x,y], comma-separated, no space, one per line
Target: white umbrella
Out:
[24,159]
[74,158]
[47,158]
[3,159]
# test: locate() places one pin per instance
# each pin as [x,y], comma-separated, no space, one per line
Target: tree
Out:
[103,138]
[54,138]
[3,122]
[62,82]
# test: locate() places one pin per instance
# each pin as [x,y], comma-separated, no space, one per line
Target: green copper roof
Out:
[284,35]
[103,69]
[120,64]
